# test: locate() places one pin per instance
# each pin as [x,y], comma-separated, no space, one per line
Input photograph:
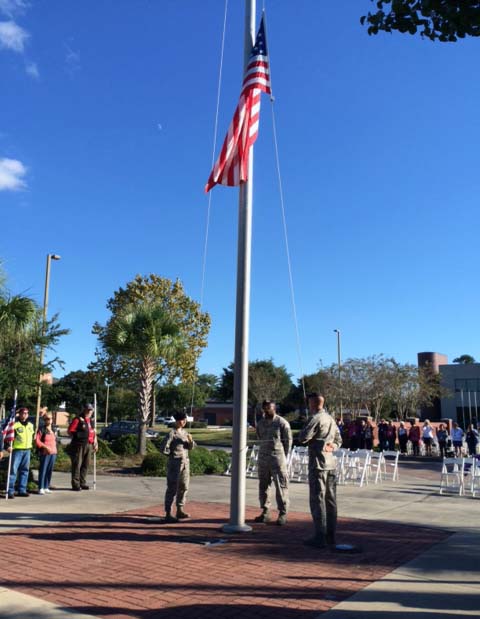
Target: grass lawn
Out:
[204,436]
[223,437]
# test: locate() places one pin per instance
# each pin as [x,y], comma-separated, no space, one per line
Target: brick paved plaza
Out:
[130,565]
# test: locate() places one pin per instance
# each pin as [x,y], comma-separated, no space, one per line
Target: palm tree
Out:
[17,315]
[16,312]
[145,335]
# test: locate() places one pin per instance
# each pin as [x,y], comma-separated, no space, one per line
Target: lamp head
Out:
[55,257]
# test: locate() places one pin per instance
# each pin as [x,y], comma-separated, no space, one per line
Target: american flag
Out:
[231,167]
[8,431]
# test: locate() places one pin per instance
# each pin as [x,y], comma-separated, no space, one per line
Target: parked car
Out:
[165,420]
[172,422]
[122,428]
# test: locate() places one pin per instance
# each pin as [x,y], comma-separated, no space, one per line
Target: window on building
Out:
[472,385]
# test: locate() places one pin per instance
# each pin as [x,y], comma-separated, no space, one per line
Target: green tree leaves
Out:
[442,20]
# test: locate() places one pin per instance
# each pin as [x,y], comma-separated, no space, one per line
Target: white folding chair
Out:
[475,477]
[340,455]
[452,476]
[469,465]
[298,464]
[356,467]
[376,468]
[390,464]
[252,461]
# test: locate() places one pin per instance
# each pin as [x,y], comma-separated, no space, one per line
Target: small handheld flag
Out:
[8,431]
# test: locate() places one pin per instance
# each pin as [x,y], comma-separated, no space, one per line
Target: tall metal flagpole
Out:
[242,319]
[339,355]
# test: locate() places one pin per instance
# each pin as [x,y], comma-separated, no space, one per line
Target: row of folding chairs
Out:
[359,467]
[297,463]
[364,466]
[460,476]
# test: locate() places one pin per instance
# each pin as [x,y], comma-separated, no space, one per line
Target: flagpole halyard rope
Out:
[287,248]
[209,203]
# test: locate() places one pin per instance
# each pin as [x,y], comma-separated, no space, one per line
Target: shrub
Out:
[104,449]
[154,465]
[202,462]
[223,459]
[205,462]
[127,445]
[198,424]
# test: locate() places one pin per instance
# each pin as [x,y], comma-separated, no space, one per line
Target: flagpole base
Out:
[236,528]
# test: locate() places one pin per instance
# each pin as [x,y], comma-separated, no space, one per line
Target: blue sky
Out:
[106,132]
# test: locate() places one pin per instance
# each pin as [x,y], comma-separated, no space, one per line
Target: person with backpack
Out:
[46,443]
[84,441]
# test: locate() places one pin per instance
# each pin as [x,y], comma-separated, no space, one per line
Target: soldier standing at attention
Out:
[322,436]
[176,446]
[275,438]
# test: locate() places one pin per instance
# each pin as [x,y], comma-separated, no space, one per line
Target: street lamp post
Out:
[50,257]
[339,358]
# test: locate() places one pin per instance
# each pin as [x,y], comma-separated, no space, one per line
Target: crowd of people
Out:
[18,439]
[443,440]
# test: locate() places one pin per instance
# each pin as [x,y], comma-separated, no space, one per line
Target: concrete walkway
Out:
[443,581]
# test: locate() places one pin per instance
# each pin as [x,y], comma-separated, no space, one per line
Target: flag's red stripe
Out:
[231,167]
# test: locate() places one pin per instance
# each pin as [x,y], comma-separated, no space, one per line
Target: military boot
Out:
[282,519]
[181,515]
[264,517]
[169,519]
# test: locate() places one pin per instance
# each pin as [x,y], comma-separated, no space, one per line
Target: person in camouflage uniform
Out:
[176,445]
[322,436]
[275,438]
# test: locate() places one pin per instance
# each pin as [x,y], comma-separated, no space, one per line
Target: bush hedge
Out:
[127,445]
[202,462]
[154,465]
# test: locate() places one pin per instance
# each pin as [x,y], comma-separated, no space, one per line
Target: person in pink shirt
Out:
[414,437]
[46,441]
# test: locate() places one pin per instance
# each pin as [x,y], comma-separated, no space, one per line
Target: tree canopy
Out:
[193,324]
[21,337]
[172,397]
[442,20]
[266,381]
[465,359]
[154,335]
